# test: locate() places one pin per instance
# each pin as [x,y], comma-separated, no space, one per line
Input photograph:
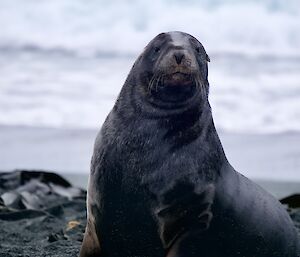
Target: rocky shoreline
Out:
[42,214]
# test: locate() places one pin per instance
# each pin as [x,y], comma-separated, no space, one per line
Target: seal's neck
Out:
[171,131]
[178,127]
[192,124]
[140,101]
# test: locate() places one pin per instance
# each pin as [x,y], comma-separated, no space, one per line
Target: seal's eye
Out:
[156,49]
[198,49]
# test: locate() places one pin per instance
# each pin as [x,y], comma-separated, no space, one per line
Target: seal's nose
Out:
[178,57]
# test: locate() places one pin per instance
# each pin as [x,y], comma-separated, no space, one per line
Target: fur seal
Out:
[160,184]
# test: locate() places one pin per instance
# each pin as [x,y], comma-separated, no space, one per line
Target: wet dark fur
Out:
[160,184]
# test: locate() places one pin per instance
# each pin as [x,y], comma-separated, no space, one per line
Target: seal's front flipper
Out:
[191,245]
[189,211]
[90,245]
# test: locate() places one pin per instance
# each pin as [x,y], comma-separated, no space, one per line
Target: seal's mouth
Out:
[173,87]
[178,79]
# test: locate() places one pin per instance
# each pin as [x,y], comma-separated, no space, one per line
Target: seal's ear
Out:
[207,58]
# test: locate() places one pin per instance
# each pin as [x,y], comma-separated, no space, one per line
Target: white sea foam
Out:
[57,58]
[268,26]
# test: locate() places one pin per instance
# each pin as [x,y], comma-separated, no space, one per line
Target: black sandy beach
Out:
[42,214]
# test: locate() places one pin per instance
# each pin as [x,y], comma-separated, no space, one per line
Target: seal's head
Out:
[173,68]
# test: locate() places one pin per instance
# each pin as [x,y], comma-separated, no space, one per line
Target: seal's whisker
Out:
[154,82]
[157,82]
[200,85]
[151,83]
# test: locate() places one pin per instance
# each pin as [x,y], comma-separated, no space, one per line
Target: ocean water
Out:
[63,62]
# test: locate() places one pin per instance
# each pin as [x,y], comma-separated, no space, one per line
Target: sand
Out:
[42,214]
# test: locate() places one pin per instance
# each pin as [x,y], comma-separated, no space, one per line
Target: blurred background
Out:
[63,62]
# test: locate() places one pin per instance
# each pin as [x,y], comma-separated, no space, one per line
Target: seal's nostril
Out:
[178,57]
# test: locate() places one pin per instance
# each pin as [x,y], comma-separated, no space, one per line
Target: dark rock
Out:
[41,214]
[57,236]
[293,201]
